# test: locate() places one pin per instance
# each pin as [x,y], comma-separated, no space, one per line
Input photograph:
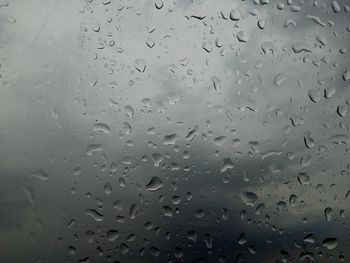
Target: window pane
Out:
[174,131]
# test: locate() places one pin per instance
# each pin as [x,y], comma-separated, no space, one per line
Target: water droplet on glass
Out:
[328,213]
[315,95]
[303,178]
[330,243]
[242,238]
[249,198]
[167,211]
[207,46]
[155,184]
[102,127]
[342,110]
[40,175]
[108,188]
[242,36]
[216,82]
[94,215]
[129,111]
[140,64]
[335,6]
[112,235]
[199,213]
[309,142]
[92,148]
[227,163]
[261,23]
[235,15]
[170,139]
[133,211]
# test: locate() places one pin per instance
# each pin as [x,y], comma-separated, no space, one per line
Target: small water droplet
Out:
[207,46]
[140,64]
[129,111]
[342,110]
[40,175]
[328,213]
[199,213]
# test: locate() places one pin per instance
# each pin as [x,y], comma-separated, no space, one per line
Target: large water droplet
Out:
[249,198]
[94,214]
[330,243]
[155,184]
[235,15]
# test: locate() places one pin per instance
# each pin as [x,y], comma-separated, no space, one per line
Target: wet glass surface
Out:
[174,131]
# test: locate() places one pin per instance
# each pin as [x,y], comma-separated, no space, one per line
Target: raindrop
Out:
[133,211]
[309,239]
[335,6]
[328,213]
[261,23]
[94,214]
[71,250]
[235,15]
[191,134]
[199,213]
[159,4]
[242,239]
[129,111]
[227,163]
[207,46]
[170,139]
[216,82]
[112,235]
[301,47]
[127,128]
[249,198]
[293,200]
[155,184]
[157,158]
[155,251]
[279,79]
[309,142]
[315,95]
[167,211]
[140,64]
[330,243]
[242,36]
[284,256]
[150,42]
[92,148]
[346,75]
[329,92]
[303,178]
[40,175]
[102,127]
[342,110]
[191,235]
[108,188]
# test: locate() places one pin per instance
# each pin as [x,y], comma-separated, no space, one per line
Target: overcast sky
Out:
[236,109]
